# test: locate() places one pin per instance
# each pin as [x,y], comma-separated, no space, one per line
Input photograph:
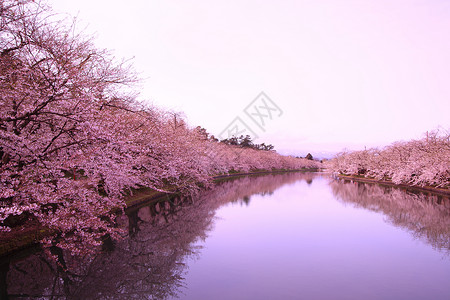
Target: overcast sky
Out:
[344,74]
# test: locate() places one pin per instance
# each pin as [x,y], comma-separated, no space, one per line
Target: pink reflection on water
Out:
[301,243]
[287,236]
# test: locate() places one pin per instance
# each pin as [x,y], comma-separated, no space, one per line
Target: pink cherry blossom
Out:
[75,142]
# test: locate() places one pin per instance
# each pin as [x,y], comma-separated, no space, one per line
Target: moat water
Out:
[286,236]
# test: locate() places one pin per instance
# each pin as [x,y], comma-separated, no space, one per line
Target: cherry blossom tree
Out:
[417,162]
[74,140]
[56,90]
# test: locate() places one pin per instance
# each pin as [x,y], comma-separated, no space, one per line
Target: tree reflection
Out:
[425,216]
[149,262]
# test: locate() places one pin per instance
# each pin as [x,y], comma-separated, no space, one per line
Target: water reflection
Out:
[425,216]
[148,262]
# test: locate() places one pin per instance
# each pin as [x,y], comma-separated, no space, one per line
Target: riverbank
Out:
[414,188]
[148,195]
[29,235]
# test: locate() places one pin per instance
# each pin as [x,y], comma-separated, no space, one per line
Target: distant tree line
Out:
[246,142]
[241,141]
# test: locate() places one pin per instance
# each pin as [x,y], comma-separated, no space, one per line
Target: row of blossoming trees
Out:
[424,162]
[74,140]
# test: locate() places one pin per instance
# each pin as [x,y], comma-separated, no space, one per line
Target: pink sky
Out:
[345,73]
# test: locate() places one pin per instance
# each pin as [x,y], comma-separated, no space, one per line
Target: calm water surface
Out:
[289,236]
